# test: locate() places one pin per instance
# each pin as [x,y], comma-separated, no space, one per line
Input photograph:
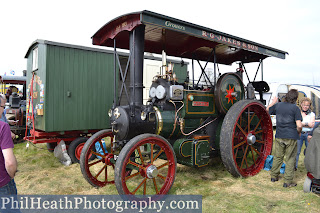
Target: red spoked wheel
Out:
[146,166]
[246,138]
[100,171]
[75,149]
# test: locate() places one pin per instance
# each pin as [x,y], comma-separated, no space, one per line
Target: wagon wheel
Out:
[152,163]
[100,171]
[75,148]
[51,146]
[246,138]
[228,91]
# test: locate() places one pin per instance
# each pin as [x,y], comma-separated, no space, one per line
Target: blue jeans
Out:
[7,194]
[303,137]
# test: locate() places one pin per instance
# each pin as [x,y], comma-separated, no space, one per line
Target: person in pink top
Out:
[8,162]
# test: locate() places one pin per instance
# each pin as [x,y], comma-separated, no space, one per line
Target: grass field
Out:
[41,173]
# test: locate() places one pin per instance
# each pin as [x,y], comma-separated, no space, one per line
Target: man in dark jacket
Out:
[288,119]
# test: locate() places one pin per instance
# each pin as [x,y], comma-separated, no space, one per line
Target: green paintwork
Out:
[180,71]
[192,152]
[168,129]
[76,92]
[230,83]
[77,85]
[168,124]
[201,106]
[217,134]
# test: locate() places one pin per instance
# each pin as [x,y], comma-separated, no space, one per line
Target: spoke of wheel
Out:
[244,157]
[106,174]
[252,117]
[246,162]
[155,185]
[138,187]
[259,131]
[158,155]
[104,151]
[257,126]
[248,119]
[100,171]
[163,165]
[236,153]
[91,164]
[239,144]
[258,141]
[241,129]
[135,164]
[145,188]
[131,176]
[242,150]
[98,154]
[253,155]
[254,149]
[162,177]
[151,154]
[139,151]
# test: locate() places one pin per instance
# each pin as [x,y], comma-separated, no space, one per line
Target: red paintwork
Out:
[14,82]
[106,162]
[37,136]
[78,150]
[239,136]
[163,188]
[115,28]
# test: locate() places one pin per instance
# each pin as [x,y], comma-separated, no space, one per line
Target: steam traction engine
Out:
[182,122]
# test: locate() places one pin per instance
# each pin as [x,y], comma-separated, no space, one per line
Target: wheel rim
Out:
[152,166]
[252,139]
[79,150]
[100,171]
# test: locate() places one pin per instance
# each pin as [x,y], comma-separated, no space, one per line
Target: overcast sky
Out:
[289,25]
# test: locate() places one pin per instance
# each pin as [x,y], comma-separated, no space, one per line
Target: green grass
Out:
[41,173]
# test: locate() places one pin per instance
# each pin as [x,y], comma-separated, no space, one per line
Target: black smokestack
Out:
[136,65]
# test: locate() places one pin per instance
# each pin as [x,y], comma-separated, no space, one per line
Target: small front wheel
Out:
[100,170]
[146,166]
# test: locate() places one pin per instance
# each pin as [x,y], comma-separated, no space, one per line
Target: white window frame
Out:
[35,59]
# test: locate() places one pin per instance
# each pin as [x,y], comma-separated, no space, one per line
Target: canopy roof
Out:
[182,39]
[13,79]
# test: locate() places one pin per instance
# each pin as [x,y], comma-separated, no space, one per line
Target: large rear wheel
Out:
[246,138]
[99,171]
[146,166]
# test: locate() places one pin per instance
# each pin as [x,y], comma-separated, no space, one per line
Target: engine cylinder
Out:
[126,125]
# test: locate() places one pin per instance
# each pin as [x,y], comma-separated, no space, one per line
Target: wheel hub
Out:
[152,171]
[251,139]
[108,159]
